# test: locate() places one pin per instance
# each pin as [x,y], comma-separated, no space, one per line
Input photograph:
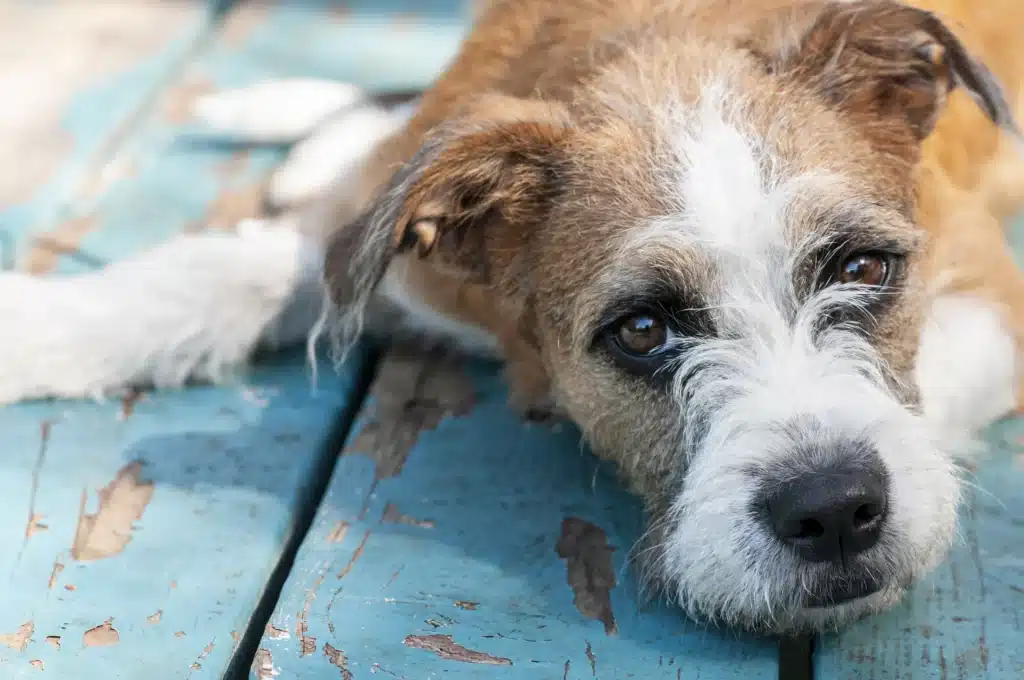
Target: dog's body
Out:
[716,181]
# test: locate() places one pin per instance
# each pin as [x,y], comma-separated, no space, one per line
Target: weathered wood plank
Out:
[141,535]
[76,75]
[381,44]
[456,540]
[964,622]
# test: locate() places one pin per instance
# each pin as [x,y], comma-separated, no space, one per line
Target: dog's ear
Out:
[468,200]
[883,60]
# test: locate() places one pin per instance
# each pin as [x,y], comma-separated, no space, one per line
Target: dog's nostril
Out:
[867,515]
[810,528]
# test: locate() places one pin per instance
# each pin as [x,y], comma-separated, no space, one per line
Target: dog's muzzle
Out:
[832,517]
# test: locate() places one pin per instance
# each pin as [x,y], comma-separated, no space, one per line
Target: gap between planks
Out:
[239,668]
[796,658]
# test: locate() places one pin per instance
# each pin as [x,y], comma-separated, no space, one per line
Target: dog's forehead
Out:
[734,184]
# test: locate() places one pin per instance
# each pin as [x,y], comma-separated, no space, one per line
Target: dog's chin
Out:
[839,611]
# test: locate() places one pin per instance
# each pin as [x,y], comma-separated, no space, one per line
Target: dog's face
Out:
[716,252]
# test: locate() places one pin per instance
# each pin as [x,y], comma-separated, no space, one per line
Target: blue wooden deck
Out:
[216,532]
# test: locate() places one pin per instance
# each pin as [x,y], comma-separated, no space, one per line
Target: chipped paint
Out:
[392,515]
[196,667]
[411,395]
[155,617]
[589,571]
[207,650]
[263,665]
[356,554]
[446,648]
[103,635]
[53,641]
[179,101]
[441,621]
[468,606]
[19,639]
[35,525]
[275,633]
[243,22]
[37,469]
[592,659]
[121,504]
[338,532]
[64,239]
[307,643]
[337,658]
[36,663]
[58,567]
[70,587]
[179,634]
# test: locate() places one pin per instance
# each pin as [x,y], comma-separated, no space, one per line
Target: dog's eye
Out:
[866,269]
[639,343]
[642,335]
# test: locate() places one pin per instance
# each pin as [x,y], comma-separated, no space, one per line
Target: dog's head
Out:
[714,248]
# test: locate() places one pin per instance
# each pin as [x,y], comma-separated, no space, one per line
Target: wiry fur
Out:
[578,155]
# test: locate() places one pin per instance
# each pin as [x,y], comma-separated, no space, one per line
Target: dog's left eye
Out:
[866,269]
[639,343]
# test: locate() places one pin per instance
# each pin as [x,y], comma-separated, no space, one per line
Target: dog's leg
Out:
[331,152]
[967,366]
[277,111]
[970,366]
[194,307]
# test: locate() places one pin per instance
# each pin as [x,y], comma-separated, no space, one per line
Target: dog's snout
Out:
[831,515]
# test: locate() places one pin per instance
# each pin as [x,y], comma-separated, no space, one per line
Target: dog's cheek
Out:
[624,420]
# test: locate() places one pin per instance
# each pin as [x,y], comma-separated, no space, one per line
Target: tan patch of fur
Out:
[970,175]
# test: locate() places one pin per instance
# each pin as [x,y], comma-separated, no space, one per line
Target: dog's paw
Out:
[967,368]
[276,111]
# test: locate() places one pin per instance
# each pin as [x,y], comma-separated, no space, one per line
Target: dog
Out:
[752,248]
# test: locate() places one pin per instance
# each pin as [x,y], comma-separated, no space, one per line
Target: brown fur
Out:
[971,176]
[507,196]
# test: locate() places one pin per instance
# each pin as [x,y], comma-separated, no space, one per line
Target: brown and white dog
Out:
[753,248]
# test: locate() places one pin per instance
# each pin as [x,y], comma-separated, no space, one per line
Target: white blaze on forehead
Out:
[724,193]
[730,188]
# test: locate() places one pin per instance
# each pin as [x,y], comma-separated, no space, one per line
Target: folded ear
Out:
[467,201]
[884,59]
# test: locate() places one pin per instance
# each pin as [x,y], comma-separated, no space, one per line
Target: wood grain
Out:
[487,574]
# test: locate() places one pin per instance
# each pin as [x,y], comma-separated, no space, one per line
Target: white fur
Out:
[194,307]
[277,111]
[341,143]
[774,375]
[967,366]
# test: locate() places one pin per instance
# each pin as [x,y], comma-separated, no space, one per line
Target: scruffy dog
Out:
[753,248]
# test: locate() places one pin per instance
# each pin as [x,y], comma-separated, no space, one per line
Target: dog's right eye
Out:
[640,342]
[642,334]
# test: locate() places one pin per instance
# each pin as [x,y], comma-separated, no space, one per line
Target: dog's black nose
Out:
[833,514]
